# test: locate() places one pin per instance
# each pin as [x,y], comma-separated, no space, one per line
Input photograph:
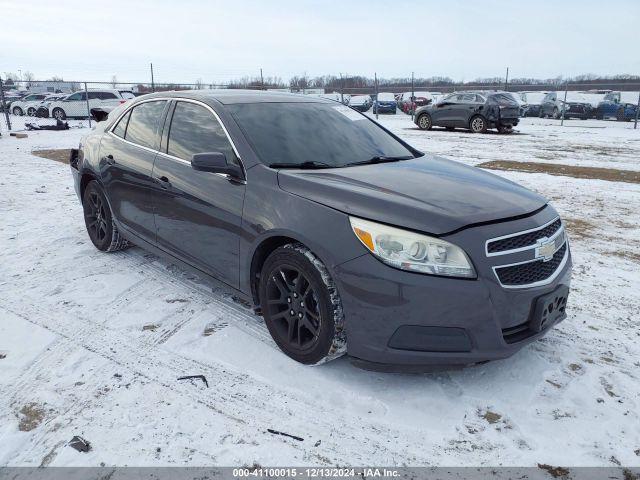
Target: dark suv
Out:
[343,236]
[474,111]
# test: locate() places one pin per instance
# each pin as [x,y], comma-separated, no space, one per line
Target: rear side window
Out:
[127,95]
[143,123]
[194,129]
[121,127]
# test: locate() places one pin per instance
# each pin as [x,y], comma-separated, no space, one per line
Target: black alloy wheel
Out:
[301,305]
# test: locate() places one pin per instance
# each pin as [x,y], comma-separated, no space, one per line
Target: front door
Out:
[198,214]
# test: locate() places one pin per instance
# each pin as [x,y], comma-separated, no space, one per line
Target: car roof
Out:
[233,96]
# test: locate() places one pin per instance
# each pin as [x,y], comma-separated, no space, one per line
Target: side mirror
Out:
[215,162]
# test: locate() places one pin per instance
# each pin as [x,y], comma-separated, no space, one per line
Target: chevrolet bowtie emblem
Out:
[546,249]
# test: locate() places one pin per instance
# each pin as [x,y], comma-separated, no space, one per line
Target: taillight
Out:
[122,101]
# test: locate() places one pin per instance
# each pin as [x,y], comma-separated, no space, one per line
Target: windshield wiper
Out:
[380,159]
[307,165]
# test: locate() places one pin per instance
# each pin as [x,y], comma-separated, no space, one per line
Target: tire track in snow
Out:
[243,400]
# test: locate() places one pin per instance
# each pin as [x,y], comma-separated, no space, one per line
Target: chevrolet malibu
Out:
[345,238]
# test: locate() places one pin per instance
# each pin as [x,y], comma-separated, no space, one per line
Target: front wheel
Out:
[17,111]
[478,124]
[620,115]
[98,219]
[424,122]
[301,305]
[59,114]
[31,112]
[556,113]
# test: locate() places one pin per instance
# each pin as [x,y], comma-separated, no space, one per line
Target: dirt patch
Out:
[31,415]
[491,417]
[634,257]
[592,173]
[579,228]
[59,155]
[555,472]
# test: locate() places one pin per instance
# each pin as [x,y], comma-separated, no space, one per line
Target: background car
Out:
[408,104]
[27,105]
[75,105]
[621,105]
[531,101]
[575,105]
[386,102]
[42,110]
[362,103]
[474,111]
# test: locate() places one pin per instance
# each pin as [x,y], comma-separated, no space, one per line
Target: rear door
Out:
[198,214]
[127,153]
[441,113]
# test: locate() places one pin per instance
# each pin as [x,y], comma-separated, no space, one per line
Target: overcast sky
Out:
[220,40]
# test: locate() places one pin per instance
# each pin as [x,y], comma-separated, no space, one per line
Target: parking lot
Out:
[93,344]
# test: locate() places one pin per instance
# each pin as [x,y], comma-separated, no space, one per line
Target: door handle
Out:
[109,160]
[164,182]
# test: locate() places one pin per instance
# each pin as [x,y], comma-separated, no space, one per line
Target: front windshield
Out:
[313,133]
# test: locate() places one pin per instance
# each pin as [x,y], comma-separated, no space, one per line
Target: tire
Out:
[478,124]
[556,114]
[424,122]
[505,129]
[314,333]
[59,114]
[31,112]
[620,115]
[17,111]
[98,220]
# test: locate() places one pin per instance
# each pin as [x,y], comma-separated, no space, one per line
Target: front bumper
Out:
[470,321]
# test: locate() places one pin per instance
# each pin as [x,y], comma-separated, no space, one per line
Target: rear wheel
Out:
[556,113]
[17,111]
[98,219]
[478,124]
[31,112]
[59,114]
[301,305]
[620,115]
[505,129]
[424,122]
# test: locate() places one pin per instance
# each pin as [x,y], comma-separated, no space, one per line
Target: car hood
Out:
[429,194]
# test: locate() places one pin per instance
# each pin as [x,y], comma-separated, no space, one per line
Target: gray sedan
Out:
[342,236]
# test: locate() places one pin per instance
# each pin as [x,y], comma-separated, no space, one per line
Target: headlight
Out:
[411,251]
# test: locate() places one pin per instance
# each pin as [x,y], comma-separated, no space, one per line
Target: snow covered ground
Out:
[92,344]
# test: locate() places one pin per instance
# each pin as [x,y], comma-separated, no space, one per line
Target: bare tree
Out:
[199,84]
[114,81]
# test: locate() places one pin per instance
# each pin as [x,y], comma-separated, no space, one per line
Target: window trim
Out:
[159,151]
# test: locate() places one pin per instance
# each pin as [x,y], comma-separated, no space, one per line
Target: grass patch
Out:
[592,173]
[59,155]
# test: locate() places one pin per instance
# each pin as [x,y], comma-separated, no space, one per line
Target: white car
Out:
[28,105]
[75,105]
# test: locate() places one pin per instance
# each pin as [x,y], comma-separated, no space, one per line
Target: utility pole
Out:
[413,95]
[564,105]
[341,90]
[261,79]
[506,80]
[153,85]
[635,123]
[375,77]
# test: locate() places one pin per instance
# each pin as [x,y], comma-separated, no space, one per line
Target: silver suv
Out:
[76,105]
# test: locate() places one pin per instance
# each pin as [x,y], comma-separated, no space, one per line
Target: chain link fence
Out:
[50,103]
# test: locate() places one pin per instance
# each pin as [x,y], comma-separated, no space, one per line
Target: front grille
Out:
[524,240]
[530,272]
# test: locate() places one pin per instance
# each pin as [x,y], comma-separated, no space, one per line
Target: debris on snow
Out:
[276,432]
[80,444]
[196,377]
